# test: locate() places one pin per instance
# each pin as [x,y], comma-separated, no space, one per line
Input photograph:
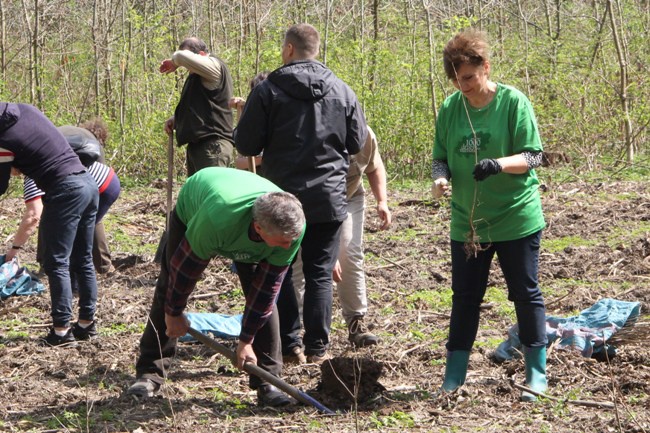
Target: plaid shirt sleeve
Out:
[185,269]
[260,298]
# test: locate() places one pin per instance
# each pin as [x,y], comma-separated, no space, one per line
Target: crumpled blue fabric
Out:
[219,325]
[16,280]
[587,333]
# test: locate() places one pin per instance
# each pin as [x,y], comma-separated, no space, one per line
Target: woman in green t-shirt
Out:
[488,144]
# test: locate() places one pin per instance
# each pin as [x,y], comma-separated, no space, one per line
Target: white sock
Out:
[84,325]
[61,333]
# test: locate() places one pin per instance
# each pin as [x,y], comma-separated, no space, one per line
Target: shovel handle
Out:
[259,372]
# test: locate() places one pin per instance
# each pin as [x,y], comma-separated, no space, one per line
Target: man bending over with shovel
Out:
[243,217]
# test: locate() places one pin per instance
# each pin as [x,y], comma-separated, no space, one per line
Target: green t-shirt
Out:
[216,205]
[508,206]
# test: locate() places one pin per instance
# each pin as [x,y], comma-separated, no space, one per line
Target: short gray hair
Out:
[279,213]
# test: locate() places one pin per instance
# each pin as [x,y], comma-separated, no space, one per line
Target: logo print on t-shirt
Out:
[468,144]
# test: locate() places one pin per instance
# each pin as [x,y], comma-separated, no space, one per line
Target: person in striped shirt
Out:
[31,144]
[109,188]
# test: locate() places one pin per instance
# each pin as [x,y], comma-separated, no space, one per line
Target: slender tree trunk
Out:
[3,42]
[257,38]
[434,103]
[623,60]
[328,18]
[524,21]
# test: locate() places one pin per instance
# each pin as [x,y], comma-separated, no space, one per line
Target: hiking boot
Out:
[81,333]
[297,356]
[54,340]
[269,395]
[318,358]
[143,388]
[358,335]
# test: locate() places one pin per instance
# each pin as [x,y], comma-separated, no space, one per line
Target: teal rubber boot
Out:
[455,370]
[535,359]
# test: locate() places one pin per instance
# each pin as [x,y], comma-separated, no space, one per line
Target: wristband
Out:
[16,247]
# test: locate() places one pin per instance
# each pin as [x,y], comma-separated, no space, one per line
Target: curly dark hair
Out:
[98,128]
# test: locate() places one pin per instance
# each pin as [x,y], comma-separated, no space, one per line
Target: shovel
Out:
[162,244]
[262,374]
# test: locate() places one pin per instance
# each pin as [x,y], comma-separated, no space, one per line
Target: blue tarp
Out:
[16,280]
[219,325]
[588,332]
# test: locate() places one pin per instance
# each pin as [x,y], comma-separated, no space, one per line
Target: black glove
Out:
[485,168]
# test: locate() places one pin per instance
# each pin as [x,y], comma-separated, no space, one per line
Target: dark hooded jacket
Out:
[307,122]
[37,148]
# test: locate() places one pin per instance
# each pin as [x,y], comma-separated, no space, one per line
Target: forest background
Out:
[584,65]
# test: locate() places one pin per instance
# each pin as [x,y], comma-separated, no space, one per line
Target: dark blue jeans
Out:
[67,224]
[320,248]
[519,262]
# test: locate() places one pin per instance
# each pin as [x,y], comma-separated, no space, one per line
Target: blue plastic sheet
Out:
[587,333]
[16,280]
[219,325]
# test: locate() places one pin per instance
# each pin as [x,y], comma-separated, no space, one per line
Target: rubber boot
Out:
[455,370]
[535,359]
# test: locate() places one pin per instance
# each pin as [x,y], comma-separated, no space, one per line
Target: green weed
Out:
[432,299]
[396,419]
[560,244]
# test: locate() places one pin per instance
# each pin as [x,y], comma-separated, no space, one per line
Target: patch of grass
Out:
[395,419]
[433,299]
[118,328]
[559,244]
[627,232]
[406,235]
[499,297]
[490,343]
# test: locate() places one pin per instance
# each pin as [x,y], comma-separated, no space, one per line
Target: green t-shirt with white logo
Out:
[506,206]
[216,205]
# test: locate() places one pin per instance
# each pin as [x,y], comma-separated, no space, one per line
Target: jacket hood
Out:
[9,114]
[304,79]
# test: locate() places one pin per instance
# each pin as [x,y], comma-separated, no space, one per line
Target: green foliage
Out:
[110,69]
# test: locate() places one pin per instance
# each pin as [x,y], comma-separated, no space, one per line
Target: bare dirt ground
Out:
[597,245]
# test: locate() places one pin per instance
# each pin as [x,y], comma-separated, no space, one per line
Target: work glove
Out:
[485,168]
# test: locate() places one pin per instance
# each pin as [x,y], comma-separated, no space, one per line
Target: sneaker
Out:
[143,388]
[54,340]
[268,395]
[297,356]
[358,335]
[81,333]
[318,358]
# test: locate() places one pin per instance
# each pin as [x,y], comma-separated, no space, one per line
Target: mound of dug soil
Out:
[344,380]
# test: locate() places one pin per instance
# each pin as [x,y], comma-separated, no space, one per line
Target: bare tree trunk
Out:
[434,103]
[257,38]
[95,52]
[375,44]
[623,59]
[524,21]
[328,18]
[3,42]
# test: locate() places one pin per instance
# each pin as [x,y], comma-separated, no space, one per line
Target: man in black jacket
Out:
[307,122]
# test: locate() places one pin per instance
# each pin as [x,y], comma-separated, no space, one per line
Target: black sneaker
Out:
[54,340]
[81,333]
